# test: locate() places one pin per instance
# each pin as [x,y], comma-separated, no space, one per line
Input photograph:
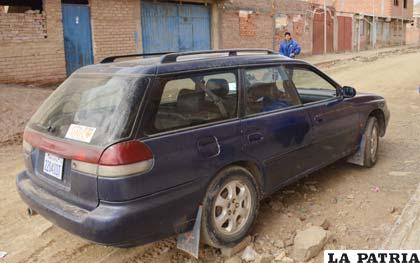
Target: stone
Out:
[288,242]
[235,259]
[250,254]
[325,224]
[287,260]
[280,256]
[392,210]
[231,251]
[278,243]
[309,242]
[266,258]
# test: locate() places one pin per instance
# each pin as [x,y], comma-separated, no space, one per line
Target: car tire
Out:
[371,142]
[230,207]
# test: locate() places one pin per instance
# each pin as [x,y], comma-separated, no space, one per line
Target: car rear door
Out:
[334,120]
[276,128]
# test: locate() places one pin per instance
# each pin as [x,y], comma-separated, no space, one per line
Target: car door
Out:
[334,120]
[276,128]
[191,133]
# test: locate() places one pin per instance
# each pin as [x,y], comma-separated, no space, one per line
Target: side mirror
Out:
[349,92]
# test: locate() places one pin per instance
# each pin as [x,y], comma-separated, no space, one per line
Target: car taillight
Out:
[122,159]
[126,153]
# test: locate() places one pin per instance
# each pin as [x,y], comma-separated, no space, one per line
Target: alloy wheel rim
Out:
[232,207]
[374,143]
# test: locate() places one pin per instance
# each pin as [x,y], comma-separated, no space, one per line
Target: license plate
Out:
[53,165]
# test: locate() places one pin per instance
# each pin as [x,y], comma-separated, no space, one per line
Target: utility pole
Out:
[325,27]
[402,21]
[373,25]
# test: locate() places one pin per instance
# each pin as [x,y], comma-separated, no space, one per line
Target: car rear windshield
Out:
[93,109]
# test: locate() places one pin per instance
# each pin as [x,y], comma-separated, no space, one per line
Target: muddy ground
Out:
[360,204]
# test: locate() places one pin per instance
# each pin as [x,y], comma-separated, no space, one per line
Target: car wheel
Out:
[230,207]
[371,142]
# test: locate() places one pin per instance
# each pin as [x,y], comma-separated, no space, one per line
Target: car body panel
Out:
[278,140]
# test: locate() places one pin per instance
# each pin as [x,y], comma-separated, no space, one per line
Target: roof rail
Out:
[172,57]
[113,58]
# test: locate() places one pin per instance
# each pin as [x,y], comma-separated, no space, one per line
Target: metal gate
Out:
[77,36]
[345,33]
[318,34]
[174,27]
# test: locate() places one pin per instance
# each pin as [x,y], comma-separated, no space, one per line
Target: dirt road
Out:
[361,204]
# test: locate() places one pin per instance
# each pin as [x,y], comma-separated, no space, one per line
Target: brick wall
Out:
[115,27]
[259,29]
[33,56]
[17,27]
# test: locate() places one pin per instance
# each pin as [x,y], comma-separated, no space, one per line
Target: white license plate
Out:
[53,165]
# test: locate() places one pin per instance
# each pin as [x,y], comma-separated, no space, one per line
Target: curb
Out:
[406,230]
[361,57]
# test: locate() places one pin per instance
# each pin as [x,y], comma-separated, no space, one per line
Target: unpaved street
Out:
[360,204]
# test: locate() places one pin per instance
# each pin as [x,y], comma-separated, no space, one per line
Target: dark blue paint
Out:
[174,27]
[77,36]
[284,145]
[280,139]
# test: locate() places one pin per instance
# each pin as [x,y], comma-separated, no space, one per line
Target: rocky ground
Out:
[354,207]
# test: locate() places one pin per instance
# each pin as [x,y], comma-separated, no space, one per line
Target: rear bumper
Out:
[134,222]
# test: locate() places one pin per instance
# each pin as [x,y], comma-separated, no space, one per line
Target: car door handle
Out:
[255,137]
[318,118]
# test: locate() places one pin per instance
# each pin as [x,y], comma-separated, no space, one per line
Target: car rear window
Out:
[94,109]
[188,101]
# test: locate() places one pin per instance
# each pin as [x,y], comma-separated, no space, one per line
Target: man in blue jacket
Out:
[289,47]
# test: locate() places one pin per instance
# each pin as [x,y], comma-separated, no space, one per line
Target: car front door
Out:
[276,128]
[334,120]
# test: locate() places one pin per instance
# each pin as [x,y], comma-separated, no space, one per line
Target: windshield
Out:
[94,109]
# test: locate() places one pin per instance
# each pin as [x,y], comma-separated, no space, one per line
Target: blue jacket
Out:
[289,47]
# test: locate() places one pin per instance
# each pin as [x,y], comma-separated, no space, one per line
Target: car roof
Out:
[193,62]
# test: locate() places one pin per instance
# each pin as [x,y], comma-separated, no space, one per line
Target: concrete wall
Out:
[32,48]
[413,32]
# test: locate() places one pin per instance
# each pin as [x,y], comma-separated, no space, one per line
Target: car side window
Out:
[310,86]
[269,89]
[187,102]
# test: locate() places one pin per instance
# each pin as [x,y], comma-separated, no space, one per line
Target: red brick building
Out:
[413,29]
[375,23]
[46,40]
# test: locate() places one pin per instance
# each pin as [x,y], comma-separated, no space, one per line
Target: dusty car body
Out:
[124,153]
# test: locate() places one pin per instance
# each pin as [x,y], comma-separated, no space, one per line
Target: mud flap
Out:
[190,241]
[359,157]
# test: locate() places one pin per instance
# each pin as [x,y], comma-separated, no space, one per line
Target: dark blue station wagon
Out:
[125,153]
